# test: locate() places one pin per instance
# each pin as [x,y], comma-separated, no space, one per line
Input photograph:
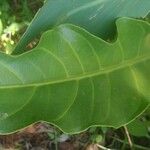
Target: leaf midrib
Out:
[84,7]
[112,68]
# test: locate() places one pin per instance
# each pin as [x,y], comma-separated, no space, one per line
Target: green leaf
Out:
[97,16]
[75,80]
[138,128]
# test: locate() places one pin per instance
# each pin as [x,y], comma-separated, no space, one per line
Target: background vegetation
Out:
[15,16]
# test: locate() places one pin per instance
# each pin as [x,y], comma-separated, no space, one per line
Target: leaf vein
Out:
[75,53]
[74,99]
[64,67]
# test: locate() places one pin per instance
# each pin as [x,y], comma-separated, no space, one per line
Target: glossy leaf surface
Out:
[75,80]
[97,16]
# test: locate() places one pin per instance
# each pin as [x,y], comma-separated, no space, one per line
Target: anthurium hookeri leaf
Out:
[74,79]
[97,16]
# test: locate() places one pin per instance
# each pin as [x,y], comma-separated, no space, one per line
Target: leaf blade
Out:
[92,15]
[99,95]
